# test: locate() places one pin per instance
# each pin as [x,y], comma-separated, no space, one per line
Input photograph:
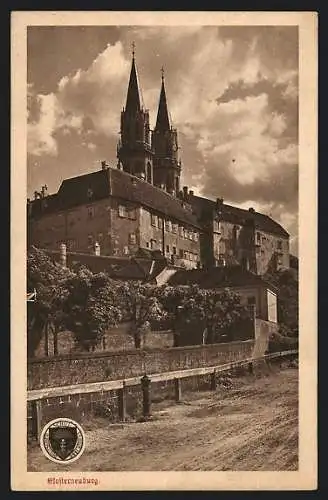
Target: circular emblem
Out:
[62,440]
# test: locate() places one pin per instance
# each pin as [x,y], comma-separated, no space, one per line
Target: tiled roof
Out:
[122,268]
[103,183]
[84,188]
[129,187]
[205,208]
[218,277]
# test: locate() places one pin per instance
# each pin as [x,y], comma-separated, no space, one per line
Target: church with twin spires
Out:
[151,155]
[138,207]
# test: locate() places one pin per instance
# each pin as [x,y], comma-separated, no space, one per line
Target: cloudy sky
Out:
[232,94]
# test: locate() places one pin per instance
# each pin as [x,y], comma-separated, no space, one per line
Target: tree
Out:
[215,312]
[93,305]
[287,286]
[46,313]
[141,306]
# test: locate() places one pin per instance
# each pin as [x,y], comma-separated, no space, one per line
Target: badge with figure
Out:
[62,440]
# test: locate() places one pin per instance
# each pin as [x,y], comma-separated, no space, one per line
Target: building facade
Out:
[233,235]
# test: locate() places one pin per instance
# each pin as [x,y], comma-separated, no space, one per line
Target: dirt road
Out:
[253,426]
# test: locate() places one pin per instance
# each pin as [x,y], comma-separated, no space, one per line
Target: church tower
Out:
[167,167]
[134,150]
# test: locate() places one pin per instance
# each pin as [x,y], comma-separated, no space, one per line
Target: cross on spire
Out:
[133,45]
[162,71]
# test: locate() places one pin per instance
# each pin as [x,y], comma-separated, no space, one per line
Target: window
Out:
[71,244]
[132,239]
[258,237]
[279,245]
[251,301]
[152,244]
[168,225]
[89,194]
[153,219]
[160,223]
[190,235]
[132,213]
[91,212]
[185,233]
[175,228]
[147,244]
[196,236]
[174,250]
[181,253]
[167,248]
[122,211]
[149,176]
[181,231]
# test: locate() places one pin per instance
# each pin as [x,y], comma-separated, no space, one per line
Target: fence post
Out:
[122,402]
[177,389]
[213,381]
[38,418]
[146,401]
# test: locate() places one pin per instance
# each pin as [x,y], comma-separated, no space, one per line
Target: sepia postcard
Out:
[163,251]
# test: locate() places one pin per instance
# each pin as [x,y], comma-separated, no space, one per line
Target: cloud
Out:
[83,99]
[232,94]
[40,138]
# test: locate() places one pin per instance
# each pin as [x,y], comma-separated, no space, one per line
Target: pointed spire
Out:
[163,121]
[133,100]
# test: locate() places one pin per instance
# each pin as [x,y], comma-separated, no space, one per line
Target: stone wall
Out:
[115,339]
[98,367]
[263,331]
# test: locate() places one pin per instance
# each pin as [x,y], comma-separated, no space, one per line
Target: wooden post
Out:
[146,400]
[177,389]
[46,340]
[213,381]
[38,418]
[122,402]
[55,337]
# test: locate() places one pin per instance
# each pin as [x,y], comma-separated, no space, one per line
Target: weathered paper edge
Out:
[306,477]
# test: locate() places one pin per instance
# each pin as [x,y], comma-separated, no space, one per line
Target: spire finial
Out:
[162,71]
[133,45]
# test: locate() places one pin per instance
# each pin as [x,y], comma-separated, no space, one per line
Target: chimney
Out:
[104,165]
[62,255]
[185,192]
[251,209]
[219,202]
[44,191]
[191,193]
[97,248]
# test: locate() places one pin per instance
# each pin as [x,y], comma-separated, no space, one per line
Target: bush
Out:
[278,342]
